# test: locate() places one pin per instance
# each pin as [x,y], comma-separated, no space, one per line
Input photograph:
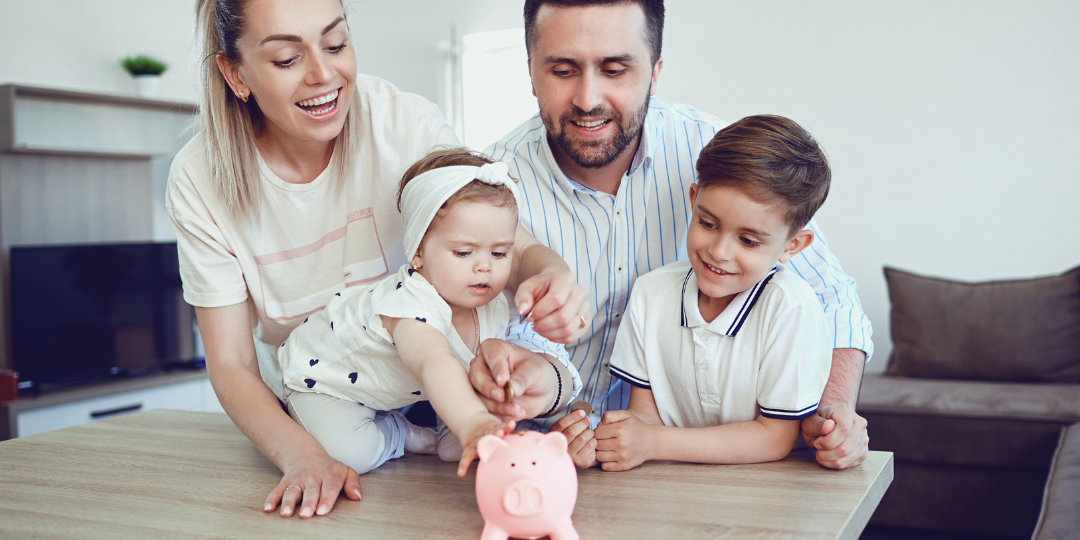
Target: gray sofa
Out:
[981,407]
[975,457]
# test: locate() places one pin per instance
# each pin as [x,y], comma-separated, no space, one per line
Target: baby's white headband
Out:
[425,194]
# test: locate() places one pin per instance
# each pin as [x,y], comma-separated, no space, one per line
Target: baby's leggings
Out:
[351,433]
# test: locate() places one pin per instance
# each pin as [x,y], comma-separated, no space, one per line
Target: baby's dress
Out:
[344,351]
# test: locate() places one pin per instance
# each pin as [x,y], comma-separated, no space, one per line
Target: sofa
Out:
[980,405]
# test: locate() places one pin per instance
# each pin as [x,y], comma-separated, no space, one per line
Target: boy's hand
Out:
[622,441]
[838,434]
[556,305]
[579,432]
[485,425]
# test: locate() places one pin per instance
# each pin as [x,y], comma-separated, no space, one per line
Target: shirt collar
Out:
[729,321]
[643,156]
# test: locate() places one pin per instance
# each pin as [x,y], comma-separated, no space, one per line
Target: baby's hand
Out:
[470,437]
[622,441]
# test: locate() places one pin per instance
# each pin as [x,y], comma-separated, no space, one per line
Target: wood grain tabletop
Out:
[171,474]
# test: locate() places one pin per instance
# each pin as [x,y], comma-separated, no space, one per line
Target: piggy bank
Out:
[526,486]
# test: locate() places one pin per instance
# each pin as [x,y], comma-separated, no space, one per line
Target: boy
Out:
[728,350]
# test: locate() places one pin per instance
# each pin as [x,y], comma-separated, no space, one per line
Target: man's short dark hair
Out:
[654,19]
[772,160]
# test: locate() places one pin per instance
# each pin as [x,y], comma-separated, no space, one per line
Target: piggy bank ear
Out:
[489,444]
[555,441]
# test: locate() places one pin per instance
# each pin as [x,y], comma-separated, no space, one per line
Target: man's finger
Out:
[814,426]
[564,422]
[844,428]
[564,323]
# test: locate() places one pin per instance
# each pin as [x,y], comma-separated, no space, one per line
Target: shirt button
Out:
[618,212]
[618,315]
[605,365]
[618,268]
[702,366]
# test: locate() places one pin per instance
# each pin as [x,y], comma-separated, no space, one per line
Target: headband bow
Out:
[425,194]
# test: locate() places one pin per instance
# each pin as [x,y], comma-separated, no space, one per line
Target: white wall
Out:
[77,44]
[952,125]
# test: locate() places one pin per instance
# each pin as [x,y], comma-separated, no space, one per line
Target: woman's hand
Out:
[317,483]
[556,305]
[484,425]
[533,380]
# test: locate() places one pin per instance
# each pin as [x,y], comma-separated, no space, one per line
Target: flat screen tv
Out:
[90,311]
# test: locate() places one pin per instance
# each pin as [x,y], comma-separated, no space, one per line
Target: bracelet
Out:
[558,396]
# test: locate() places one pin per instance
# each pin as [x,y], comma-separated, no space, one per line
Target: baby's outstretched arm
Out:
[428,356]
[625,439]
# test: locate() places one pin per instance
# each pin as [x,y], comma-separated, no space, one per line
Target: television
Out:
[80,313]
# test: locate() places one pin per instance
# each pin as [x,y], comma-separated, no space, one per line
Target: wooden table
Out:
[169,474]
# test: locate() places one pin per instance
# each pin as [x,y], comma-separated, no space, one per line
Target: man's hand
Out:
[622,441]
[530,374]
[559,306]
[838,434]
[578,431]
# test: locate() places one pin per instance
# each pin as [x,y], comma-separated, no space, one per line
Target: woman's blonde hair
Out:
[230,124]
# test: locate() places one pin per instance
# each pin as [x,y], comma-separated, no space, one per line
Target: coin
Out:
[583,405]
[509,391]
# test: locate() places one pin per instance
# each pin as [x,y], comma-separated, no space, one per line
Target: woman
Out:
[286,198]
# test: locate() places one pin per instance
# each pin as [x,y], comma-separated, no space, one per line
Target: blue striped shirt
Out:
[610,240]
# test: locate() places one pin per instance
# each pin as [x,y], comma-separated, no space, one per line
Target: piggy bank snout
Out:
[523,498]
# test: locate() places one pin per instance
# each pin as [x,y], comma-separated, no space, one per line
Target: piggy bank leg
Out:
[565,531]
[492,532]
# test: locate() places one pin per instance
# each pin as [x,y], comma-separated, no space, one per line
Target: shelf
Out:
[67,123]
[88,97]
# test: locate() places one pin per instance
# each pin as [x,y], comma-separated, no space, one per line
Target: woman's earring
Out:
[243,96]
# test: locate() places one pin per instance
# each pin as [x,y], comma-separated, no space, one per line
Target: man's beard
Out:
[597,154]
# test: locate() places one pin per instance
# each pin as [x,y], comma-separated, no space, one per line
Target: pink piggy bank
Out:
[526,486]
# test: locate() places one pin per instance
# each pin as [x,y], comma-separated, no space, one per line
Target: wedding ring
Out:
[295,486]
[582,317]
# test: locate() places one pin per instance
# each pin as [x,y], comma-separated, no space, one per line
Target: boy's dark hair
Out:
[450,157]
[771,159]
[654,20]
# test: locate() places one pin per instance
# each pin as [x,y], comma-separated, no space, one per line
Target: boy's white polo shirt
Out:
[767,353]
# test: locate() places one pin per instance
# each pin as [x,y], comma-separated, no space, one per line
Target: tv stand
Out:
[183,389]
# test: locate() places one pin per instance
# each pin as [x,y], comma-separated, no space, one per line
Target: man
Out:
[605,170]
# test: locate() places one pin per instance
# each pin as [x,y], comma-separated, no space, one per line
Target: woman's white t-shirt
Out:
[310,240]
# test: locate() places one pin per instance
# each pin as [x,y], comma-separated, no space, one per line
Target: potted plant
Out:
[146,71]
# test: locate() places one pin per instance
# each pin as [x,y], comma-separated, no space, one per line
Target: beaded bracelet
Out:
[558,396]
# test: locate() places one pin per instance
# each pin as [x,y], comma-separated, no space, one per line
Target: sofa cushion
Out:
[1031,401]
[1060,516]
[1026,330]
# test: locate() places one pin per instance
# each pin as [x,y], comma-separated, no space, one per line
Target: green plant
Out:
[143,65]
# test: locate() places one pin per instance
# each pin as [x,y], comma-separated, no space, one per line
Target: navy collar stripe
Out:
[745,312]
[682,320]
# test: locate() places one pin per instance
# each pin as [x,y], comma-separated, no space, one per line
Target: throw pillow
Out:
[1023,330]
